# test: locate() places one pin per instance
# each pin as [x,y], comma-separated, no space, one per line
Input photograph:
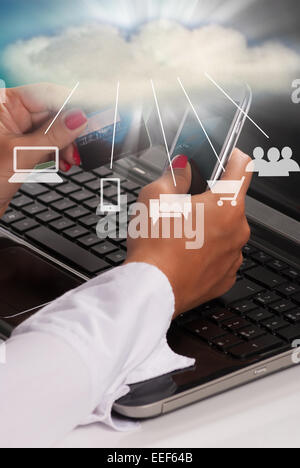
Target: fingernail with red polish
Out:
[180,162]
[76,156]
[67,167]
[75,120]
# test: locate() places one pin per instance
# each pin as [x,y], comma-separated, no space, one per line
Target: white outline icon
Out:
[36,175]
[226,187]
[104,208]
[171,206]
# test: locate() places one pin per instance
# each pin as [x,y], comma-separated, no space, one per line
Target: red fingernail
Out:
[180,162]
[75,120]
[67,167]
[76,156]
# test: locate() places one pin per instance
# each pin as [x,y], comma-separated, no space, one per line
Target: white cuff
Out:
[118,324]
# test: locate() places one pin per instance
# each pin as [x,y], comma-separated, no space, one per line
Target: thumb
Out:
[236,170]
[60,134]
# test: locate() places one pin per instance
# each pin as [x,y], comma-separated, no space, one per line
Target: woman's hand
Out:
[24,118]
[198,276]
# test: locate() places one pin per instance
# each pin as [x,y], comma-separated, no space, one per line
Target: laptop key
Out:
[205,330]
[251,333]
[34,209]
[104,248]
[277,265]
[33,190]
[290,334]
[68,250]
[236,324]
[292,274]
[219,315]
[249,250]
[296,298]
[25,225]
[241,290]
[275,324]
[77,212]
[73,171]
[68,189]
[266,298]
[282,306]
[259,315]
[81,196]
[261,345]
[117,258]
[102,172]
[131,186]
[63,205]
[94,186]
[89,221]
[227,342]
[265,277]
[84,177]
[61,224]
[89,241]
[50,197]
[293,316]
[245,306]
[75,232]
[92,204]
[21,201]
[261,257]
[48,216]
[12,217]
[288,289]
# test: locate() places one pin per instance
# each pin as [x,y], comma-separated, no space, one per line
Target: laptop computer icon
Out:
[44,173]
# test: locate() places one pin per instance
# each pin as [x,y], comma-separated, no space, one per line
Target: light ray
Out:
[115,126]
[201,124]
[163,131]
[236,105]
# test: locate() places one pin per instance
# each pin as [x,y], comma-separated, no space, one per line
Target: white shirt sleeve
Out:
[67,364]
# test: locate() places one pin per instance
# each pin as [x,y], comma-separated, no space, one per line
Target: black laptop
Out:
[48,245]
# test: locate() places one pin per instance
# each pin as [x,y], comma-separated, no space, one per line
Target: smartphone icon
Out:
[105,205]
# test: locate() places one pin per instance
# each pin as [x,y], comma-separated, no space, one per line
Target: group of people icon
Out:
[280,164]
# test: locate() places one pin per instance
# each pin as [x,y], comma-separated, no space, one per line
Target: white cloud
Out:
[99,55]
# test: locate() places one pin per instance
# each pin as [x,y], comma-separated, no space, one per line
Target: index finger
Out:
[236,170]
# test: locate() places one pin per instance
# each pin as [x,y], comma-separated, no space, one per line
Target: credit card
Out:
[95,144]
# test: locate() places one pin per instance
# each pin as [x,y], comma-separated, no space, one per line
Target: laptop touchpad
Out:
[27,282]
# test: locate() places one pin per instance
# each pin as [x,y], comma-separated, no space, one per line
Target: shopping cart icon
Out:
[226,187]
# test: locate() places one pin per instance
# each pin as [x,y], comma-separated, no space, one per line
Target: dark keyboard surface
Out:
[258,316]
[61,219]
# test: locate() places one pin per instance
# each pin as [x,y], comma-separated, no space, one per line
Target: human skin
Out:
[24,118]
[198,276]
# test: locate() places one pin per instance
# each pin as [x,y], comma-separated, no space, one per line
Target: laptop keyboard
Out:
[61,219]
[258,316]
